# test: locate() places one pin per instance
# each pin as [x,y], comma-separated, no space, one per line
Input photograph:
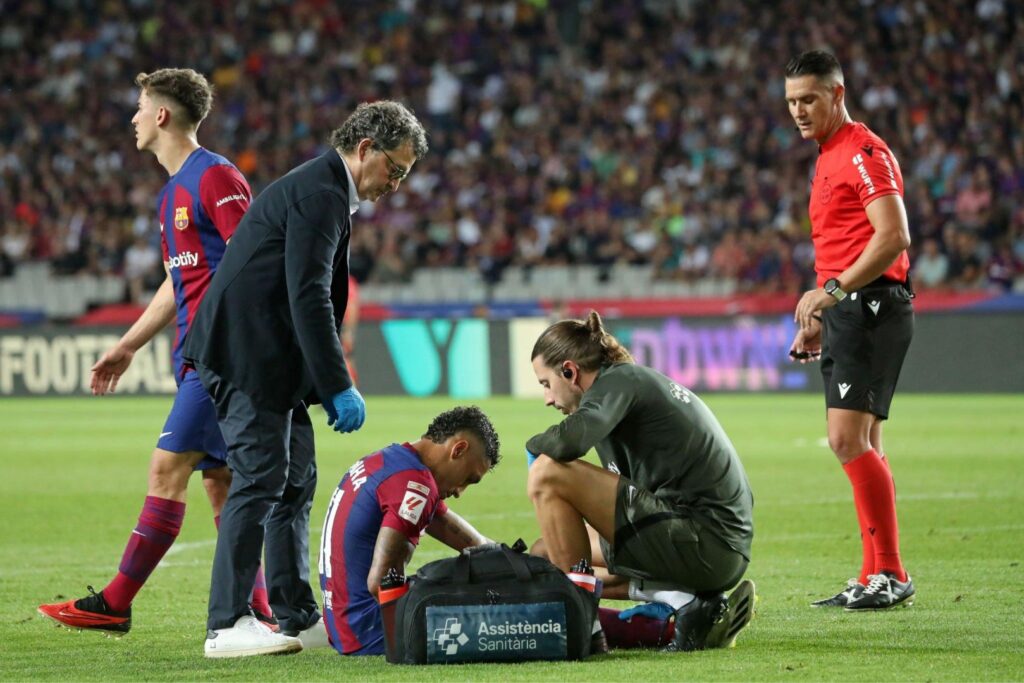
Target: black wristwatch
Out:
[832,289]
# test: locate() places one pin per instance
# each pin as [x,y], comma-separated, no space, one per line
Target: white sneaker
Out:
[246,638]
[312,637]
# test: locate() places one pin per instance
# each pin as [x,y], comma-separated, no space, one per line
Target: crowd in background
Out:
[562,132]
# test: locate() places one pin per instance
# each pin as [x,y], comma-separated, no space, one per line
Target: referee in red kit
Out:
[859,320]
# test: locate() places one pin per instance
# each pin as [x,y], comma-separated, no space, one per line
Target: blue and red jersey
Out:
[390,488]
[199,209]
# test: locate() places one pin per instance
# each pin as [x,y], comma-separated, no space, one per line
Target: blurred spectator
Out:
[143,269]
[965,264]
[626,131]
[1003,268]
[931,266]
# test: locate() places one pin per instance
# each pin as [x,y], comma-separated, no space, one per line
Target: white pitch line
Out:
[784,538]
[186,546]
[947,495]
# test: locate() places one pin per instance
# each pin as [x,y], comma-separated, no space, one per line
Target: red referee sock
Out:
[867,564]
[259,600]
[875,498]
[159,524]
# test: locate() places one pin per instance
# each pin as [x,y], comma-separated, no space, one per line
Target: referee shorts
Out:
[865,338]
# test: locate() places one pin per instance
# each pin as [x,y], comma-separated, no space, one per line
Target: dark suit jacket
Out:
[270,320]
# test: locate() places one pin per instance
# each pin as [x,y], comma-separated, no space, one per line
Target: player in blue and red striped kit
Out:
[380,508]
[198,209]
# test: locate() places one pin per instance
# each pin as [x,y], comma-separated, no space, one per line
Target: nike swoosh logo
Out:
[163,434]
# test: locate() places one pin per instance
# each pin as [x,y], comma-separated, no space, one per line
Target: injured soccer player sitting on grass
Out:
[667,521]
[380,508]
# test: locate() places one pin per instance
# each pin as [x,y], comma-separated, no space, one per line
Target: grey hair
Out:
[388,123]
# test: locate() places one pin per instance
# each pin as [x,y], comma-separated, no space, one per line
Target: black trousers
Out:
[273,469]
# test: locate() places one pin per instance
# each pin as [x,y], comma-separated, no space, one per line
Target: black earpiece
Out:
[567,373]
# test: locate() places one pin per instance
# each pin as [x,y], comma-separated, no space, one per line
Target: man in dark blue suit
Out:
[265,342]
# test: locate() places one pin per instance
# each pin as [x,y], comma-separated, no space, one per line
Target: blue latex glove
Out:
[530,459]
[346,411]
[651,610]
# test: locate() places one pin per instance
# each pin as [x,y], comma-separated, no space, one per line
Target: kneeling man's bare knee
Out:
[546,477]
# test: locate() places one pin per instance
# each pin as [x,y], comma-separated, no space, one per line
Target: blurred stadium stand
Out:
[635,148]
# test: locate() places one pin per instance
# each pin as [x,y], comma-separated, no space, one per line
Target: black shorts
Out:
[865,338]
[655,539]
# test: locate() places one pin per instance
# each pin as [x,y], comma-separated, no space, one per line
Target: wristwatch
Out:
[832,289]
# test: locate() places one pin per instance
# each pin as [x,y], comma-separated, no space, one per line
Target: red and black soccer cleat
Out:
[89,613]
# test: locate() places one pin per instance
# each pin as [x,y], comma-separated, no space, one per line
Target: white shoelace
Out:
[876,582]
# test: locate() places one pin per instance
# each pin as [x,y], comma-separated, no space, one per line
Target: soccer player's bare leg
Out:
[217,481]
[169,473]
[564,497]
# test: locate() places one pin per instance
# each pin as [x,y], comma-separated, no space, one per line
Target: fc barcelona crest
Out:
[181,217]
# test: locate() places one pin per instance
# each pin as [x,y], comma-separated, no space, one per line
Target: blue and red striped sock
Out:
[158,526]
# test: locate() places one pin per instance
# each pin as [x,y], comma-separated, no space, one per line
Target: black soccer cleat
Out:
[694,620]
[853,590]
[742,603]
[883,591]
[91,613]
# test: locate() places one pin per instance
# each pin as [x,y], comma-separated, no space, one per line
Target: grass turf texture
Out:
[74,479]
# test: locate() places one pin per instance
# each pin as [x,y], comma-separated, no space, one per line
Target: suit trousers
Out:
[273,468]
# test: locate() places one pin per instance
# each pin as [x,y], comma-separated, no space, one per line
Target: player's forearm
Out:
[158,315]
[876,258]
[392,551]
[455,532]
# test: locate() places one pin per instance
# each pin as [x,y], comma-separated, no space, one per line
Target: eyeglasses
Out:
[397,172]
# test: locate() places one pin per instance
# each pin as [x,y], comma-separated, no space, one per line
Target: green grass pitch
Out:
[74,474]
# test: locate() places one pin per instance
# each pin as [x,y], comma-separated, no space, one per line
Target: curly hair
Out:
[584,342]
[469,419]
[389,124]
[187,88]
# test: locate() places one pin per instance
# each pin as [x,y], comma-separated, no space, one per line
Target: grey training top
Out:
[664,438]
